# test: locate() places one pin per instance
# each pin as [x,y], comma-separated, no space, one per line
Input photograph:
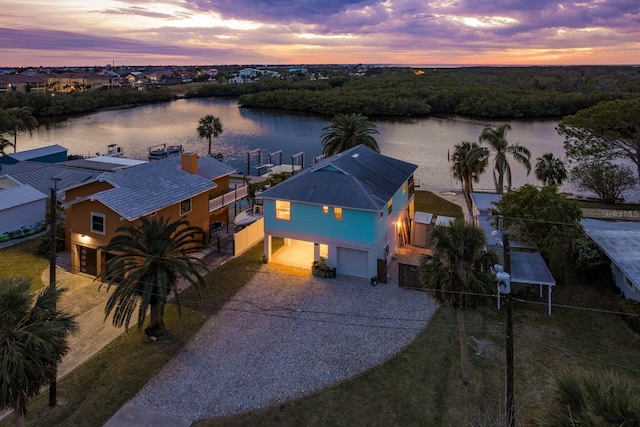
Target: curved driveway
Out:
[286,334]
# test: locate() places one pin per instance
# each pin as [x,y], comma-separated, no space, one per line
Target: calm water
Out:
[424,142]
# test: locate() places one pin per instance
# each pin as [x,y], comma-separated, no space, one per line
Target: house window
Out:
[283,210]
[628,282]
[390,205]
[337,213]
[325,210]
[185,206]
[98,222]
[404,188]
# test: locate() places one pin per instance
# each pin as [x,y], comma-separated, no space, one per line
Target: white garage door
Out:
[353,262]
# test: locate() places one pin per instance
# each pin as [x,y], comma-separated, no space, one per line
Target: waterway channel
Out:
[424,141]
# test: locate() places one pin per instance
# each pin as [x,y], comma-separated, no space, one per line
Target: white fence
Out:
[248,236]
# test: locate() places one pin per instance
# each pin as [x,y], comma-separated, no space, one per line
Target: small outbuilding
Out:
[420,228]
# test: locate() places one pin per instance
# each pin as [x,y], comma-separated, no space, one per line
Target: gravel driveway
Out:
[286,334]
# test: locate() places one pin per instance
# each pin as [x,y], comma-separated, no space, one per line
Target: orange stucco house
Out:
[183,187]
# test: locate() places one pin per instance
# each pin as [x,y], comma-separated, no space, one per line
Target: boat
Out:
[249,216]
[161,151]
[113,150]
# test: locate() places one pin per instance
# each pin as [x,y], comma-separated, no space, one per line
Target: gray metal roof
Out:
[358,178]
[38,152]
[149,187]
[484,201]
[209,168]
[41,175]
[20,195]
[528,267]
[622,247]
[422,217]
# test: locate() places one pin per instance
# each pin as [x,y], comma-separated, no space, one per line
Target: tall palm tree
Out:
[17,119]
[147,262]
[497,141]
[550,170]
[4,143]
[469,162]
[209,126]
[33,339]
[348,131]
[592,398]
[458,274]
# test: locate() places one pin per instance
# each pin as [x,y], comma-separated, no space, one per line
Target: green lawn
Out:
[421,386]
[426,201]
[21,261]
[418,387]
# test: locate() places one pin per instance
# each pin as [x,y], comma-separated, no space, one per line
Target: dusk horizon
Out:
[442,33]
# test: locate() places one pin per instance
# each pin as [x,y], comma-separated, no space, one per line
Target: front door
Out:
[88,260]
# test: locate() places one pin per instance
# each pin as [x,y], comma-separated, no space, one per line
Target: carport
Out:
[294,253]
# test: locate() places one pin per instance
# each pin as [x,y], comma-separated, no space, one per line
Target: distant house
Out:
[620,241]
[351,209]
[184,187]
[22,83]
[20,206]
[527,265]
[49,154]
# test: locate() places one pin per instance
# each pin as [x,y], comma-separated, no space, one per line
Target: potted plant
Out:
[321,269]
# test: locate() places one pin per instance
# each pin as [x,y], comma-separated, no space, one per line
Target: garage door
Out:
[353,262]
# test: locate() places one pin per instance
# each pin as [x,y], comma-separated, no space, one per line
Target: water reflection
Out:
[425,142]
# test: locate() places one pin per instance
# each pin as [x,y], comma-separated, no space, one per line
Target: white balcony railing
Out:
[228,198]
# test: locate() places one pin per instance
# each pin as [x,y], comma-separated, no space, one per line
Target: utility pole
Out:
[52,274]
[509,400]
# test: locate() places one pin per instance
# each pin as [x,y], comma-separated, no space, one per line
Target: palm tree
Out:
[147,262]
[469,162]
[4,143]
[209,126]
[497,140]
[550,170]
[348,131]
[592,398]
[458,274]
[33,339]
[17,119]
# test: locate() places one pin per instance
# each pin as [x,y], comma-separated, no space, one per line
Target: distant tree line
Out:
[65,104]
[483,91]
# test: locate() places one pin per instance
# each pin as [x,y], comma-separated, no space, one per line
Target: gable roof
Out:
[358,178]
[19,195]
[38,152]
[208,167]
[41,175]
[146,188]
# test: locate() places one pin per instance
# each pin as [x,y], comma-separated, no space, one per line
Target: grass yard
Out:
[420,386]
[93,392]
[21,260]
[426,201]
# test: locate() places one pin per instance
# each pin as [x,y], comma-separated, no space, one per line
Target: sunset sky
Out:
[410,32]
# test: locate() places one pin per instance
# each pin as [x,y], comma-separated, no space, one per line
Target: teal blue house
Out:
[352,209]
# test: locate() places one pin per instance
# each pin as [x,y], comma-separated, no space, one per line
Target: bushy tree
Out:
[545,217]
[608,180]
[607,131]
